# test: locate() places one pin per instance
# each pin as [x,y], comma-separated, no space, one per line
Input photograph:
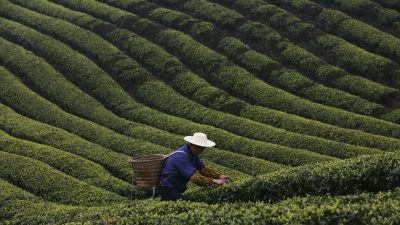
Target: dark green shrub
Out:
[50,183]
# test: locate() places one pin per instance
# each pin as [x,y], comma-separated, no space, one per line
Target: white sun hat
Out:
[199,139]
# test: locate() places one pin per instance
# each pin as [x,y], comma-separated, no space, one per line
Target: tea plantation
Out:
[302,98]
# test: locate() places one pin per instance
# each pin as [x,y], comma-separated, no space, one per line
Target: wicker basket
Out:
[147,169]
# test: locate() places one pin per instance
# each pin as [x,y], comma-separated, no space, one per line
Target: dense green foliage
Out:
[393,116]
[301,97]
[363,174]
[382,17]
[42,80]
[344,26]
[135,45]
[50,183]
[196,27]
[272,42]
[19,207]
[121,142]
[268,151]
[163,38]
[212,12]
[68,163]
[20,126]
[337,50]
[222,120]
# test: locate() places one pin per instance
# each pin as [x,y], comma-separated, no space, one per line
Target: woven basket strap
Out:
[165,157]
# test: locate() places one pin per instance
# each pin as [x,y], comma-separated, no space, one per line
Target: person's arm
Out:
[184,166]
[201,180]
[205,181]
[208,172]
[205,171]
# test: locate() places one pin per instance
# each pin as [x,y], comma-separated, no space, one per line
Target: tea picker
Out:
[169,174]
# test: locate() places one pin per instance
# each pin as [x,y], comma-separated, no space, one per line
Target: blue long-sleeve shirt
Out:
[179,168]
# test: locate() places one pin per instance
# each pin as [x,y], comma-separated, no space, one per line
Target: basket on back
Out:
[147,169]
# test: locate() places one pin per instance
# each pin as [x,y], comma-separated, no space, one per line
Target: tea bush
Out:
[50,183]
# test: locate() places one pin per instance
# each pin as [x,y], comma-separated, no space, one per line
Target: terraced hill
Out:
[302,98]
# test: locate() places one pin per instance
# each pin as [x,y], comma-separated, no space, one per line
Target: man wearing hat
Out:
[182,165]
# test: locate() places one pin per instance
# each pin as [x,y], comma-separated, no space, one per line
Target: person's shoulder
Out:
[179,156]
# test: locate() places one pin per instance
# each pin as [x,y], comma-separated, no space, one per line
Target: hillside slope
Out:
[301,97]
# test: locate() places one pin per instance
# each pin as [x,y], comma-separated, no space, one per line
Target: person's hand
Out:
[226,178]
[219,181]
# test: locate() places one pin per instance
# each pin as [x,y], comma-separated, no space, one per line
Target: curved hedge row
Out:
[119,37]
[218,156]
[346,27]
[151,92]
[394,147]
[92,131]
[302,107]
[239,144]
[195,28]
[33,130]
[18,207]
[340,52]
[357,60]
[393,116]
[141,25]
[315,128]
[22,127]
[389,3]
[10,192]
[271,40]
[381,208]
[51,184]
[294,81]
[70,164]
[305,61]
[134,23]
[117,124]
[18,96]
[214,68]
[12,90]
[251,60]
[387,19]
[353,120]
[282,137]
[180,108]
[363,174]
